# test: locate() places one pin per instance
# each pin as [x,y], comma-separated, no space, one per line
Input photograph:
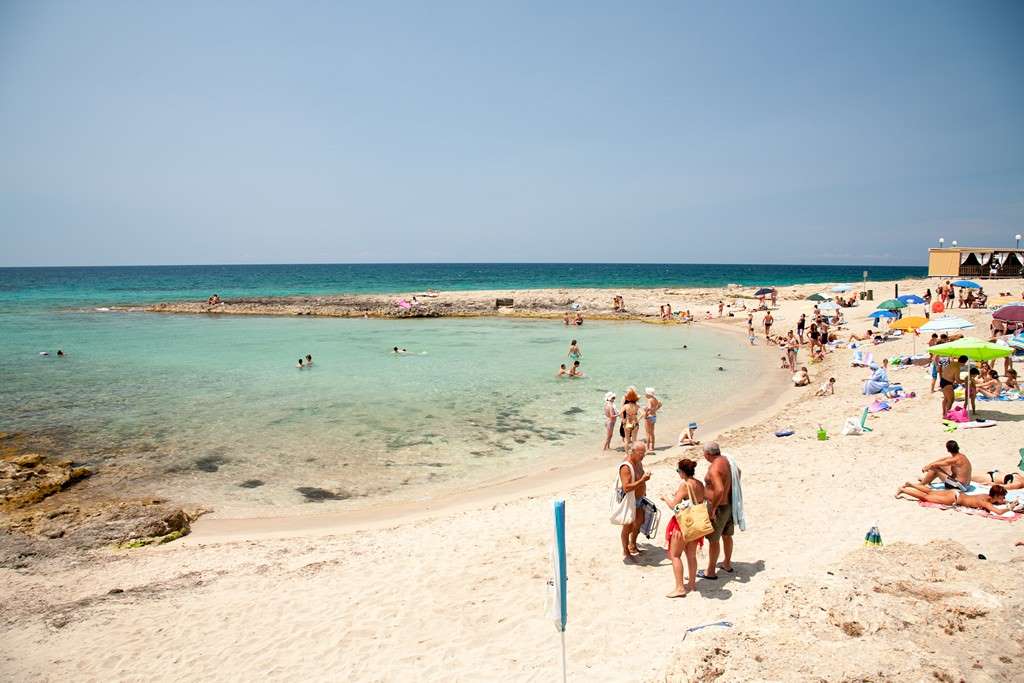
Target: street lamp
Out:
[942,241]
[954,244]
[1017,237]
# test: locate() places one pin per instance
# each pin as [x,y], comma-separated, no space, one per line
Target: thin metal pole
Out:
[564,673]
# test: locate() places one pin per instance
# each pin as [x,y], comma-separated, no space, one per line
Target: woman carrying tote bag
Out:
[689,524]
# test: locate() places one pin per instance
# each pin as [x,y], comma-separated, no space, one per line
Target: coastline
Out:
[454,590]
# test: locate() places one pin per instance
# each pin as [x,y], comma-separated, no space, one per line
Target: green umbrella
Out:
[817,297]
[891,305]
[974,349]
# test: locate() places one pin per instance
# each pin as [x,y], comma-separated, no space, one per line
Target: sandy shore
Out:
[455,591]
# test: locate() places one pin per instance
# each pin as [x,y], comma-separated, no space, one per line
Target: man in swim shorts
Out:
[954,470]
[718,493]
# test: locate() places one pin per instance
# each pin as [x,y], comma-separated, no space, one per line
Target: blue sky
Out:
[776,132]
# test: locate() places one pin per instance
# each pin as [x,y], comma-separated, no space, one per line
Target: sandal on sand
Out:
[702,575]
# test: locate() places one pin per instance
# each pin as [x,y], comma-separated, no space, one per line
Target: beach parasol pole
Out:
[559,607]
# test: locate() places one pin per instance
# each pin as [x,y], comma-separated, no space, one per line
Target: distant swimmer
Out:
[60,352]
[562,372]
[309,360]
[398,350]
[721,369]
[575,371]
[44,353]
[300,365]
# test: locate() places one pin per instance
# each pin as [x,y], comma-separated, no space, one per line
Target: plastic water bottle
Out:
[822,434]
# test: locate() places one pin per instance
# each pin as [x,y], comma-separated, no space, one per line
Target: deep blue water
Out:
[63,287]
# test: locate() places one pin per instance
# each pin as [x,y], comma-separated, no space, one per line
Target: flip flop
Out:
[730,570]
[702,575]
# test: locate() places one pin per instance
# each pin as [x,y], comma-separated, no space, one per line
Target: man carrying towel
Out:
[718,488]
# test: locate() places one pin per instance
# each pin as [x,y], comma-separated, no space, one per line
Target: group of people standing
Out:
[629,416]
[719,495]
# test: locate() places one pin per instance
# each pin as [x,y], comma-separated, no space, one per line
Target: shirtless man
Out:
[575,371]
[633,478]
[996,497]
[949,376]
[562,372]
[718,493]
[952,470]
[768,320]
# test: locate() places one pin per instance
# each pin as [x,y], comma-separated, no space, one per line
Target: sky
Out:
[717,132]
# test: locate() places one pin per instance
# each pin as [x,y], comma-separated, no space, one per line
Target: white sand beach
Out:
[455,591]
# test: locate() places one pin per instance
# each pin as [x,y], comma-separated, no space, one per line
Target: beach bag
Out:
[623,505]
[694,521]
[652,518]
[957,414]
[852,427]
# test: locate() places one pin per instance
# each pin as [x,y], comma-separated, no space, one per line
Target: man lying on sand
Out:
[954,470]
[994,501]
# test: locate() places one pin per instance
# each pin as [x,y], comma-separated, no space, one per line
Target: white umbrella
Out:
[841,288]
[945,324]
[828,306]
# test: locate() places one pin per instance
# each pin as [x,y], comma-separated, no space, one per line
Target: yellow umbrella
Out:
[911,322]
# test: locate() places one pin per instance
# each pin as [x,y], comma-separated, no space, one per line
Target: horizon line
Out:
[473,263]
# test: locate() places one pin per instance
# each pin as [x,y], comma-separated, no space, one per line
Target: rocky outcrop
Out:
[28,479]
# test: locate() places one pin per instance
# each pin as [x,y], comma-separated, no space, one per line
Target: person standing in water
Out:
[309,360]
[300,365]
[611,415]
[574,351]
[651,416]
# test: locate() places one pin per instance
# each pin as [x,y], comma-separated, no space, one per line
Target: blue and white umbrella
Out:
[828,306]
[945,324]
[966,283]
[841,288]
[911,299]
[883,314]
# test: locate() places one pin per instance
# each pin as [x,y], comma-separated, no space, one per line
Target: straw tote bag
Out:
[623,507]
[694,520]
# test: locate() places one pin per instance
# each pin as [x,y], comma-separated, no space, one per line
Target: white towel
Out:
[737,495]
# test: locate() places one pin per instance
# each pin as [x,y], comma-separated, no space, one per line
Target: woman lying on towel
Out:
[996,496]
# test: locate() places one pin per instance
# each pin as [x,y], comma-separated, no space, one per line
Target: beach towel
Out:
[1005,396]
[737,495]
[1006,516]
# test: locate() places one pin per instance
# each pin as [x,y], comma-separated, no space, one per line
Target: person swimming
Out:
[562,372]
[575,371]
[300,365]
[309,360]
[60,352]
[398,350]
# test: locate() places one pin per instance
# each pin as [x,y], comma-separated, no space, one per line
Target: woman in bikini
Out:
[690,492]
[630,417]
[996,496]
[651,416]
[610,416]
[574,351]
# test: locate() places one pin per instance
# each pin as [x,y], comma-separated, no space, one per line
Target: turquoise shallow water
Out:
[192,406]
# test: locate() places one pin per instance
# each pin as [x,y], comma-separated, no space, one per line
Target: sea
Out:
[212,410]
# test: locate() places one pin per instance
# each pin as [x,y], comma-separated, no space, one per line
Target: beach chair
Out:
[864,420]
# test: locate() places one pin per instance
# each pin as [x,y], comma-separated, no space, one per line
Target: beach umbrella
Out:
[910,299]
[910,324]
[891,305]
[841,288]
[817,297]
[1014,313]
[828,306]
[764,291]
[882,314]
[560,579]
[966,283]
[945,324]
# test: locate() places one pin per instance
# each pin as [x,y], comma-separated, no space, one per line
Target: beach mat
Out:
[1008,517]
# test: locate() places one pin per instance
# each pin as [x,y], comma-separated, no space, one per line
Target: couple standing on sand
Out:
[720,491]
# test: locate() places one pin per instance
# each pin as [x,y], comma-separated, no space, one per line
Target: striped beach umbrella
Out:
[945,324]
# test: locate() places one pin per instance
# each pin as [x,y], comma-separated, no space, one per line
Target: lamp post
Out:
[1017,237]
[942,241]
[954,244]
